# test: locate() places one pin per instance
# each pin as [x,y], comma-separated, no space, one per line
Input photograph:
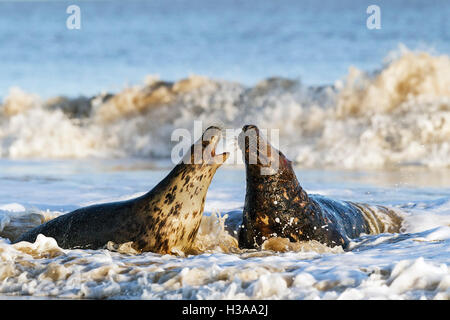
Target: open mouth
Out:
[218,158]
[212,146]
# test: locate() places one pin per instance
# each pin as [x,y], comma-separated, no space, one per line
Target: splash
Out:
[409,77]
[139,99]
[16,220]
[285,245]
[18,101]
[213,237]
[397,116]
[380,267]
[42,269]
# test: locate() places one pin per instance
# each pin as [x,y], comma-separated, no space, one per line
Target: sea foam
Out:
[398,115]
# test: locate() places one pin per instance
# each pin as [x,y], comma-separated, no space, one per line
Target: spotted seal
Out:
[164,220]
[277,206]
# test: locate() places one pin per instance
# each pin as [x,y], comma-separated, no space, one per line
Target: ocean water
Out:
[340,95]
[121,42]
[408,265]
[86,116]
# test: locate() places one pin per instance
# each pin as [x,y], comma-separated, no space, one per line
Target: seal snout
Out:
[210,139]
[259,153]
[253,145]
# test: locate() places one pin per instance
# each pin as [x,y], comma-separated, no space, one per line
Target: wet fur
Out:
[277,206]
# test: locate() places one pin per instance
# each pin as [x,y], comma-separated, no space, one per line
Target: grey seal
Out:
[164,220]
[277,206]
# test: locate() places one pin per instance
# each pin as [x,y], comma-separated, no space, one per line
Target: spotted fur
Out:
[164,220]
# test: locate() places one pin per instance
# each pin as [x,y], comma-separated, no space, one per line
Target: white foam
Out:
[400,115]
[404,270]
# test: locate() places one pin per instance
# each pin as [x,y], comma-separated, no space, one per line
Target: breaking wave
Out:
[398,115]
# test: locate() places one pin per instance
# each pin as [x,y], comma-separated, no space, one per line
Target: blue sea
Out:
[120,42]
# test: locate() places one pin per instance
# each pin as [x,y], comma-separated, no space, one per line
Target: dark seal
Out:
[164,220]
[277,206]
